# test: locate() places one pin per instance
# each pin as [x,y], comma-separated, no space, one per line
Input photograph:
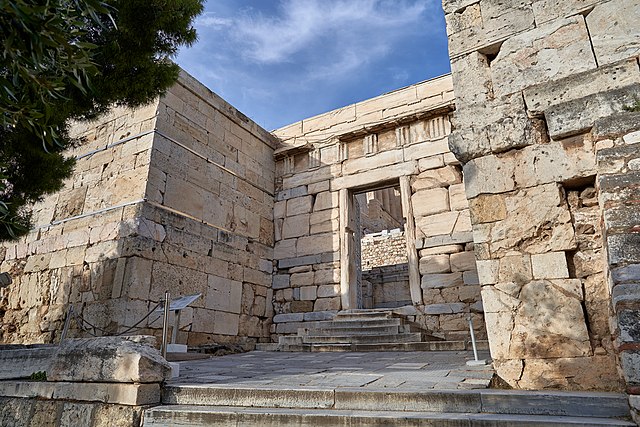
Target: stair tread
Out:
[399,334]
[165,412]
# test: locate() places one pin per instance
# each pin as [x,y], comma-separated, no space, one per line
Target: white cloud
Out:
[339,27]
[210,20]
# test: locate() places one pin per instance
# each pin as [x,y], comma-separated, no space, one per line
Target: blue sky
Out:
[280,61]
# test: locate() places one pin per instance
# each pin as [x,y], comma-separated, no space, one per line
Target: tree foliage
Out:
[65,60]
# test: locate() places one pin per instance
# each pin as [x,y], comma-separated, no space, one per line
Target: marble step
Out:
[363,314]
[180,415]
[407,346]
[356,324]
[347,330]
[362,339]
[508,402]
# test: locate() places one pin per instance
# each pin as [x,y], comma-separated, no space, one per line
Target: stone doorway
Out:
[383,263]
[375,247]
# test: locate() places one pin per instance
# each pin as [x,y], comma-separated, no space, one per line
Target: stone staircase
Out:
[247,406]
[366,330]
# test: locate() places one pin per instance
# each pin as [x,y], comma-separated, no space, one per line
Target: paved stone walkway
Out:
[400,371]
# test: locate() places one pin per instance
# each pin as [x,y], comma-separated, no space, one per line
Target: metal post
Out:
[67,321]
[165,324]
[473,339]
[176,326]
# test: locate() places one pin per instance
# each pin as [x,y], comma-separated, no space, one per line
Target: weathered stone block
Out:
[325,291]
[624,248]
[515,268]
[552,265]
[540,97]
[223,294]
[450,308]
[284,249]
[487,208]
[432,162]
[614,31]
[308,293]
[109,359]
[433,178]
[327,276]
[437,281]
[435,264]
[631,366]
[537,221]
[327,304]
[318,243]
[291,192]
[301,306]
[299,205]
[550,322]
[472,78]
[488,271]
[430,202]
[458,197]
[301,279]
[295,226]
[578,116]
[439,224]
[463,261]
[288,317]
[548,10]
[304,260]
[326,200]
[488,174]
[524,58]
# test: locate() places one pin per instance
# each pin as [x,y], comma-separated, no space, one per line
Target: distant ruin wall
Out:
[549,192]
[175,196]
[382,249]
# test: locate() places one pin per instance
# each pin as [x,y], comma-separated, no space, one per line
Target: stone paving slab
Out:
[382,370]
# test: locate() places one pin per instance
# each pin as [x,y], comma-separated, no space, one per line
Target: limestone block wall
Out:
[186,206]
[531,79]
[211,188]
[397,139]
[73,254]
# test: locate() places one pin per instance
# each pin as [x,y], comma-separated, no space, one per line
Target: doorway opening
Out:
[381,248]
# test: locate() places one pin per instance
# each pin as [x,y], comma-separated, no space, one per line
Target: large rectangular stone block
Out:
[524,59]
[224,294]
[540,97]
[429,202]
[613,27]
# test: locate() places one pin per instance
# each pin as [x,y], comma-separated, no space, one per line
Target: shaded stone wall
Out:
[532,79]
[184,206]
[396,139]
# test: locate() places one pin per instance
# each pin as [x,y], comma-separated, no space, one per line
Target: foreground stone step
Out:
[179,415]
[362,339]
[357,323]
[514,402]
[363,314]
[408,346]
[348,330]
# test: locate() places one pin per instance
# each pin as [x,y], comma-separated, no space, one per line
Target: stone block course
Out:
[563,42]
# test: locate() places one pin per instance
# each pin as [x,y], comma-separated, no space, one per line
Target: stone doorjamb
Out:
[348,277]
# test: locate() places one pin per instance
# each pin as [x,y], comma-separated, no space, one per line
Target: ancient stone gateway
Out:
[398,140]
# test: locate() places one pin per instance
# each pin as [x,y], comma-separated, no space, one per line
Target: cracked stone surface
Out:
[401,371]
